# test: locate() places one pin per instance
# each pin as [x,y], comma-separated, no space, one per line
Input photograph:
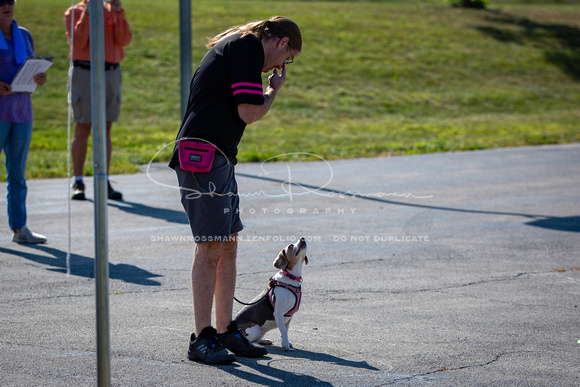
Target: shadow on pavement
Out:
[273,373]
[82,266]
[171,216]
[567,223]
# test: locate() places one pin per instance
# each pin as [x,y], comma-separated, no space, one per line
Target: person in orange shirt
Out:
[117,36]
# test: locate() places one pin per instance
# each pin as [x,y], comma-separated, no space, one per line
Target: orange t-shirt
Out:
[116,28]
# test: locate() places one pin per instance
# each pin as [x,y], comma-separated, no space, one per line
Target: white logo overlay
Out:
[290,189]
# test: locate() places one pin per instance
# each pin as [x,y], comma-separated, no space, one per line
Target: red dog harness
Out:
[294,289]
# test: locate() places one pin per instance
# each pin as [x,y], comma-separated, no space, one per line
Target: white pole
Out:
[98,119]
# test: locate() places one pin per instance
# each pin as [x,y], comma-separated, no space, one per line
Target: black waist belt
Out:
[83,64]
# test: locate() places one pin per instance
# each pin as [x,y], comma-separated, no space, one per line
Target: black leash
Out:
[253,303]
[273,284]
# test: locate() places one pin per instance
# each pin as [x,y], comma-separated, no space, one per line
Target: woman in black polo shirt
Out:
[226,94]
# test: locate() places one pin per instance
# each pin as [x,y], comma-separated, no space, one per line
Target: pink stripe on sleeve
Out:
[239,84]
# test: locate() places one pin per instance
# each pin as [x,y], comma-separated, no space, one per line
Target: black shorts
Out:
[211,201]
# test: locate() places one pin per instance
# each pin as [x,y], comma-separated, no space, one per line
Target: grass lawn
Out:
[375,78]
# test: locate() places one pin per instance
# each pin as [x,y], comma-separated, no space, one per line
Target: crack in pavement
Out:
[425,290]
[444,369]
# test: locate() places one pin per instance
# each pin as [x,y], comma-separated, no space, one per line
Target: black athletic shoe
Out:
[208,349]
[78,191]
[236,341]
[113,195]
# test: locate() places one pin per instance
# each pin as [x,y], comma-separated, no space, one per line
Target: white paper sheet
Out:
[24,80]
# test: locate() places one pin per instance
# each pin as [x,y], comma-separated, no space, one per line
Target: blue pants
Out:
[15,142]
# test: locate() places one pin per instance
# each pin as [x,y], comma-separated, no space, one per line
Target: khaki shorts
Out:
[211,201]
[81,95]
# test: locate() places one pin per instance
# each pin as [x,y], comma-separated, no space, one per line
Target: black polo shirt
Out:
[230,74]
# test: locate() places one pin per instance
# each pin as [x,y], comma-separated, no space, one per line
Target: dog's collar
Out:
[292,277]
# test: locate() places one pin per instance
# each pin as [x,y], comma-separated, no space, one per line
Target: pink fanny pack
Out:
[196,156]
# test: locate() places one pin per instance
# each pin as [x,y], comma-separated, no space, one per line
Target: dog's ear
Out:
[305,260]
[281,261]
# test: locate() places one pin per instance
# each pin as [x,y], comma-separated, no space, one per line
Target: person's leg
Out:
[114,195]
[213,275]
[82,116]
[4,131]
[204,344]
[225,284]
[203,282]
[5,128]
[113,84]
[109,145]
[79,143]
[16,148]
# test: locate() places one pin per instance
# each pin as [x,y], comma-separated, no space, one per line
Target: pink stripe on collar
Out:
[292,277]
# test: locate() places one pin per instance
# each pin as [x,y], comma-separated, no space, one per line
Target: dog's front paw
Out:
[265,342]
[287,346]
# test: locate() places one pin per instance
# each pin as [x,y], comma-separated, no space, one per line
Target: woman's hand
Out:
[5,88]
[40,79]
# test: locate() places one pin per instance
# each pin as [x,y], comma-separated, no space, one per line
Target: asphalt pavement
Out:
[451,269]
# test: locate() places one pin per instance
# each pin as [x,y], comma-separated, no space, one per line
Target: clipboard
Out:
[23,82]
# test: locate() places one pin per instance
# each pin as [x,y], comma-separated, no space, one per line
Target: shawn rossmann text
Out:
[239,238]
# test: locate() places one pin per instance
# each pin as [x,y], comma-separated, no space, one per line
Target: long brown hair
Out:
[279,26]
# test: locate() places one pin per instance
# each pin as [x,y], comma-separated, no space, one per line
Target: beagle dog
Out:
[276,305]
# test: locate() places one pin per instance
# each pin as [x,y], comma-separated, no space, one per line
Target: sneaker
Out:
[78,191]
[236,341]
[208,349]
[27,236]
[114,195]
